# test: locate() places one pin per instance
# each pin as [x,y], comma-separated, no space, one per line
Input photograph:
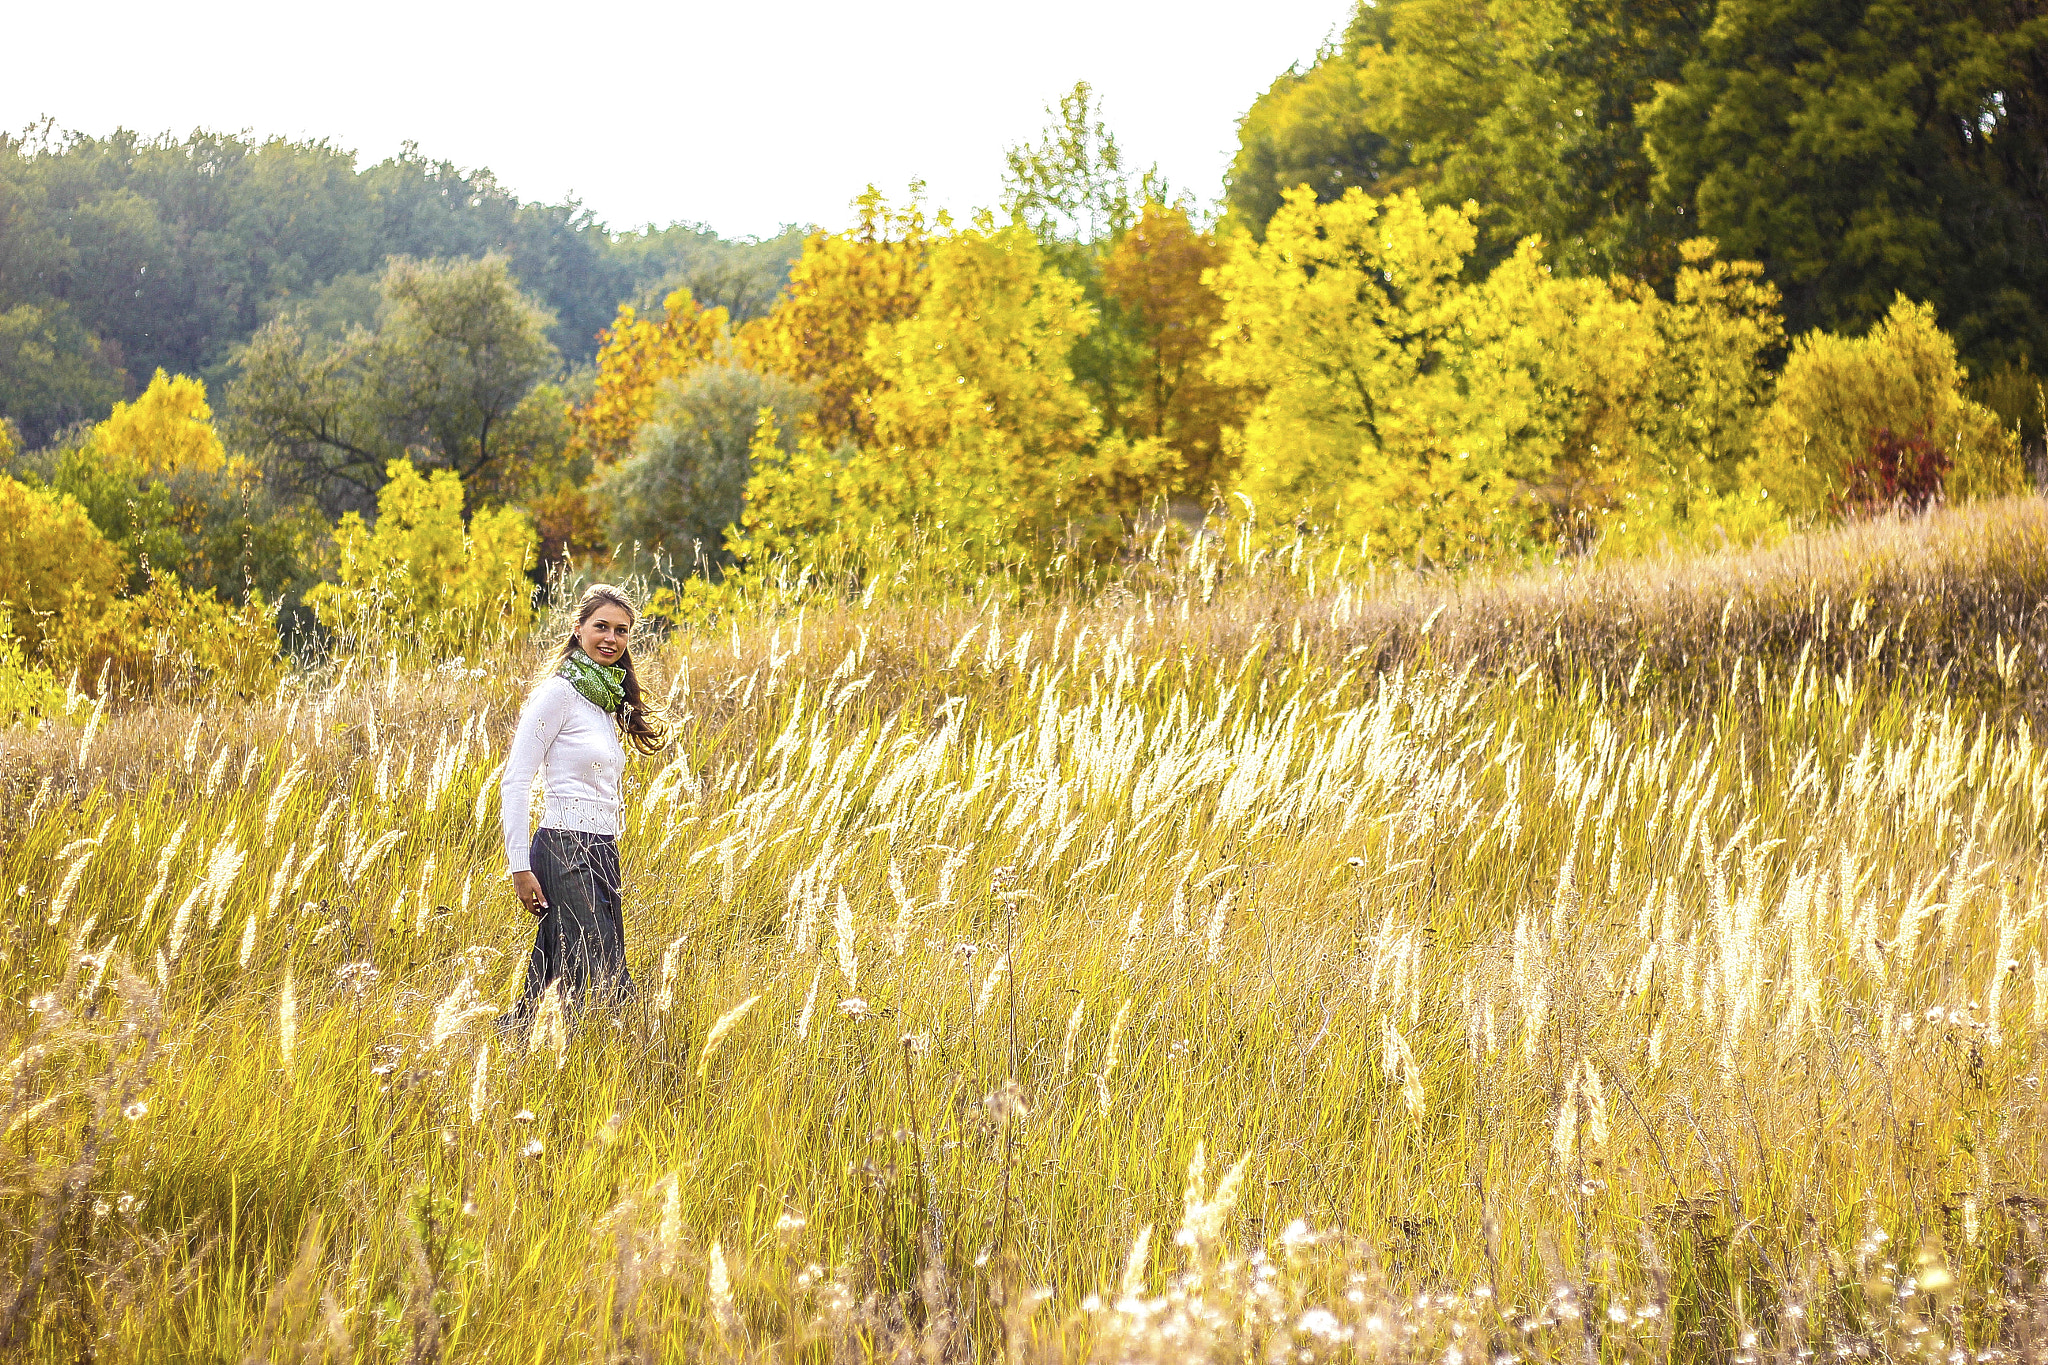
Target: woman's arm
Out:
[540,720]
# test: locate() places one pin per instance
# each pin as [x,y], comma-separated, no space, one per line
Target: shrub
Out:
[1901,472]
[686,479]
[53,561]
[1839,393]
[168,430]
[171,638]
[422,580]
[157,482]
[28,691]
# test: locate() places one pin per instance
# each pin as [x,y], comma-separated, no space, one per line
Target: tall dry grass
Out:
[1639,963]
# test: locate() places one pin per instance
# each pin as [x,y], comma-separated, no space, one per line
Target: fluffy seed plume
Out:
[288,1021]
[1067,1044]
[1213,952]
[724,1025]
[1110,1057]
[281,794]
[1132,1287]
[899,932]
[842,936]
[803,1020]
[1134,932]
[550,1025]
[719,1284]
[479,1095]
[666,996]
[70,885]
[988,985]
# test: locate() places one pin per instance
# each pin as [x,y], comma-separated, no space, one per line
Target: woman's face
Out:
[605,633]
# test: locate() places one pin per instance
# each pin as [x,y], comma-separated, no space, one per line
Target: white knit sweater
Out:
[575,748]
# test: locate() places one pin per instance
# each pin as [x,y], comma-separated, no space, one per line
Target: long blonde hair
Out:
[642,722]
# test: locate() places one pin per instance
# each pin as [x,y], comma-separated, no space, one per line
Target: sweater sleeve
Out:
[540,720]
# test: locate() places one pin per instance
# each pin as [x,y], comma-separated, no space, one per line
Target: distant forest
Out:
[126,254]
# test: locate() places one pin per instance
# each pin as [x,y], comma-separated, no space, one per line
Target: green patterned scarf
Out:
[603,685]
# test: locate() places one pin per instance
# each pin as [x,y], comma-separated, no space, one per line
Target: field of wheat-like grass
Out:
[1212,968]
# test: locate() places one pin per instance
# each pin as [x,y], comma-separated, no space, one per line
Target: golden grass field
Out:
[1248,961]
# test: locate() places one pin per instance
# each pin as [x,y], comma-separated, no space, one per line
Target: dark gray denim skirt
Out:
[581,941]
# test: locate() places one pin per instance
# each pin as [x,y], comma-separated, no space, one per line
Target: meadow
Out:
[1250,959]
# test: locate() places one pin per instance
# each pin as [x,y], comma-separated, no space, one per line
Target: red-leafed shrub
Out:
[1895,472]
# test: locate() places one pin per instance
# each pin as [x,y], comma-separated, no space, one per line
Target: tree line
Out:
[1460,302]
[124,254]
[1857,151]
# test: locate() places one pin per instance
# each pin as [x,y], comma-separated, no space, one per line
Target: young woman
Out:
[567,874]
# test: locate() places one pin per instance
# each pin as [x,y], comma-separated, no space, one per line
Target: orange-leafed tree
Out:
[1155,272]
[635,354]
[843,286]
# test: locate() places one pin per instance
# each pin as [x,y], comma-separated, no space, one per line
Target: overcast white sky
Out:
[745,117]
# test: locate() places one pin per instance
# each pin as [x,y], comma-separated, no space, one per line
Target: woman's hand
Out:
[526,886]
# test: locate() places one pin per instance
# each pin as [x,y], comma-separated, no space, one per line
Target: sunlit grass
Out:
[1533,997]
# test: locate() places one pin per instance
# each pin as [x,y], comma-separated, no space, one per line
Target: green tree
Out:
[1525,107]
[454,371]
[161,253]
[685,480]
[1074,191]
[53,371]
[1865,150]
[1308,128]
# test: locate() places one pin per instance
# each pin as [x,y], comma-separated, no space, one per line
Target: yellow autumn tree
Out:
[170,636]
[1352,319]
[1448,419]
[166,431]
[843,286]
[1157,271]
[980,437]
[55,566]
[635,354]
[420,576]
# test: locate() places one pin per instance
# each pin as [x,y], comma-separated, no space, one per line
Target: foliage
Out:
[169,254]
[1696,483]
[1072,189]
[1526,107]
[1839,393]
[635,356]
[29,692]
[743,277]
[56,570]
[979,432]
[1403,406]
[157,482]
[1863,151]
[1309,128]
[1902,473]
[454,372]
[420,580]
[1156,272]
[52,371]
[844,286]
[170,637]
[686,479]
[167,431]
[1855,151]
